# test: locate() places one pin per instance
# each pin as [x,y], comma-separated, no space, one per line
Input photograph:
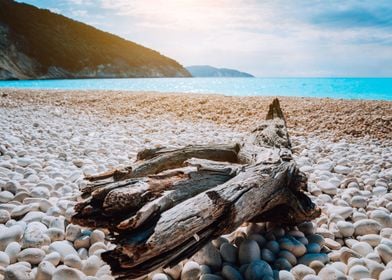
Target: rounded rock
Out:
[91,265]
[288,256]
[313,248]
[174,272]
[97,236]
[362,248]
[300,271]
[366,226]
[54,258]
[311,277]
[346,254]
[375,268]
[12,250]
[210,277]
[11,234]
[308,258]
[285,275]
[385,252]
[386,233]
[82,242]
[328,272]
[95,247]
[4,259]
[209,255]
[6,196]
[160,276]
[316,238]
[358,272]
[190,271]
[316,266]
[358,201]
[73,261]
[73,232]
[382,218]
[31,255]
[83,253]
[259,239]
[346,229]
[219,241]
[282,264]
[18,271]
[34,235]
[228,252]
[55,234]
[230,273]
[327,187]
[64,272]
[258,270]
[64,248]
[332,244]
[292,245]
[267,255]
[45,271]
[273,246]
[204,269]
[4,216]
[248,252]
[372,239]
[386,274]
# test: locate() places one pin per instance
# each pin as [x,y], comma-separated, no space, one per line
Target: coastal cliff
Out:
[38,44]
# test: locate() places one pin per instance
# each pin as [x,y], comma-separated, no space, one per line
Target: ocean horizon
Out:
[337,88]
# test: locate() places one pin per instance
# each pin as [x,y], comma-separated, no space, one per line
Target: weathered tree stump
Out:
[171,202]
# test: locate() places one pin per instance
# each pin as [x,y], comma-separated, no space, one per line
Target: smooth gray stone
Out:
[313,248]
[229,252]
[209,277]
[249,251]
[161,276]
[273,246]
[288,256]
[258,270]
[209,255]
[292,245]
[267,255]
[282,264]
[190,271]
[230,273]
[308,258]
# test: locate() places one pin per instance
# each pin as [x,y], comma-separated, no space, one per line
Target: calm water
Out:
[348,88]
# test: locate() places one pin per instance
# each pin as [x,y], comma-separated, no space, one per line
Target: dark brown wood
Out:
[173,201]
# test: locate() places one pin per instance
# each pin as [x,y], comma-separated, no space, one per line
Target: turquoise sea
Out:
[347,88]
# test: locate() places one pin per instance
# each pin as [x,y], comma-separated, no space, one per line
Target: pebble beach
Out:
[50,140]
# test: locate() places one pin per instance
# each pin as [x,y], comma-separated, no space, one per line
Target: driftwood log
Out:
[171,202]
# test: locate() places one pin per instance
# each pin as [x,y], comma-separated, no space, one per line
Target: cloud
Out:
[79,13]
[55,10]
[266,38]
[354,17]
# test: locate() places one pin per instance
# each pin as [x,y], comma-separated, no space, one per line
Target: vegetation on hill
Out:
[52,40]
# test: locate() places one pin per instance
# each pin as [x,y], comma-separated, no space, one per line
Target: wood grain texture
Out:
[174,201]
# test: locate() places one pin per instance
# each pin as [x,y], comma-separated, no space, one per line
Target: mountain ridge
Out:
[210,71]
[38,44]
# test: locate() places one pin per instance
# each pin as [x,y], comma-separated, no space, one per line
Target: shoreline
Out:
[326,117]
[206,93]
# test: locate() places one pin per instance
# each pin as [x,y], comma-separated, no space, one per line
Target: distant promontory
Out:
[209,71]
[38,44]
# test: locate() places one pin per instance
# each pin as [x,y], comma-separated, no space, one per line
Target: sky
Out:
[273,38]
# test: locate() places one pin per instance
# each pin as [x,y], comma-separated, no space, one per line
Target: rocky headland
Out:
[38,44]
